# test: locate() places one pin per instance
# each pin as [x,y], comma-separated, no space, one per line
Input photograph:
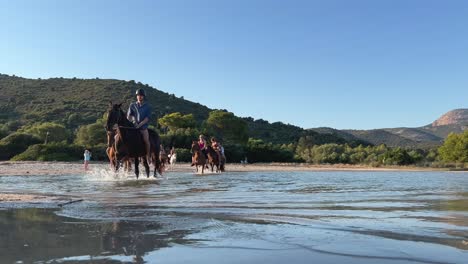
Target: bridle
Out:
[111,130]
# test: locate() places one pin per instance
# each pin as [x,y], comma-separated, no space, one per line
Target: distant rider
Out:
[216,145]
[202,145]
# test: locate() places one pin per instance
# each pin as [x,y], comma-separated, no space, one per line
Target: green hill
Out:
[74,102]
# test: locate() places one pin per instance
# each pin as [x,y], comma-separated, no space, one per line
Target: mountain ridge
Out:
[454,121]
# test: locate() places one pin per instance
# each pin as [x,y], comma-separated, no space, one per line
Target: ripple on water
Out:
[381,215]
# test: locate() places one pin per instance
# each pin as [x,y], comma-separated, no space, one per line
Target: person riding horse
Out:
[139,113]
[216,145]
[203,145]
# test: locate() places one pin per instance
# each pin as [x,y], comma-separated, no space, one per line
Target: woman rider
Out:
[203,145]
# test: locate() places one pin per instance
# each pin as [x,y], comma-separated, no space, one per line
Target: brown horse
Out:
[198,157]
[128,142]
[163,157]
[110,151]
[213,158]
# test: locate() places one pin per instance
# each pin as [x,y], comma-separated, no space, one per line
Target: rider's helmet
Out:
[140,92]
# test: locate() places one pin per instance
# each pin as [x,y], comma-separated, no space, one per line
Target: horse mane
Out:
[124,121]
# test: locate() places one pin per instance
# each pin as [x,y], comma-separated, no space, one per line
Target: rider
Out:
[139,113]
[171,153]
[218,148]
[203,145]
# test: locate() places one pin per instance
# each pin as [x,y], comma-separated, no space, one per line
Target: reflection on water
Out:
[38,234]
[275,217]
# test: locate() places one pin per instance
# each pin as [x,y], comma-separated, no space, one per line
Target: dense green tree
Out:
[259,151]
[91,135]
[16,143]
[177,120]
[227,126]
[55,151]
[180,138]
[455,148]
[397,156]
[56,132]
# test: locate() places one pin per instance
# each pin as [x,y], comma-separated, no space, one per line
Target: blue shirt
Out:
[139,112]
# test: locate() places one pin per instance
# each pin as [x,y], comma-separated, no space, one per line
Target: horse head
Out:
[114,116]
[195,147]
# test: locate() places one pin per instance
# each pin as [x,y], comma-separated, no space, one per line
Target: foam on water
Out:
[108,175]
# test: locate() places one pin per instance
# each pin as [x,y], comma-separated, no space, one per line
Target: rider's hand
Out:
[138,126]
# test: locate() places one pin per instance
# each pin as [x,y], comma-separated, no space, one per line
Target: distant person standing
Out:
[139,113]
[87,157]
[172,152]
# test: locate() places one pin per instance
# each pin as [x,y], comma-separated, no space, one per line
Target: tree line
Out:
[53,141]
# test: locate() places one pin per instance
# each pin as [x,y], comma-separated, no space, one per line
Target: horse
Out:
[213,158]
[128,141]
[198,157]
[222,163]
[163,157]
[110,151]
[172,161]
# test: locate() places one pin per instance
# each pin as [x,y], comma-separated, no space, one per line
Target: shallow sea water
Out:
[244,217]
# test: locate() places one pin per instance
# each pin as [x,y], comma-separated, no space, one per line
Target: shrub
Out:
[183,155]
[91,135]
[16,143]
[51,152]
[57,132]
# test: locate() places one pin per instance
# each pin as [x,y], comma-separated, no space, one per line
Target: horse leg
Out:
[129,165]
[155,173]
[137,171]
[147,169]
[126,165]
[160,167]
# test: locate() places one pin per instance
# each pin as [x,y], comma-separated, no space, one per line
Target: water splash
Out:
[100,174]
[109,175]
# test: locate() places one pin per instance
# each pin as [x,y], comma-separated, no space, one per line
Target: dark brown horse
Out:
[163,157]
[198,157]
[129,142]
[110,151]
[213,158]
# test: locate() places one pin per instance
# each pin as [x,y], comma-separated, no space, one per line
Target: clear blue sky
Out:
[343,64]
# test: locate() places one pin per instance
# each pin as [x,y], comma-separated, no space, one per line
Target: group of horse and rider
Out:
[130,139]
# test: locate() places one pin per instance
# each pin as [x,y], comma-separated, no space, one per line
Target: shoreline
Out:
[41,168]
[35,168]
